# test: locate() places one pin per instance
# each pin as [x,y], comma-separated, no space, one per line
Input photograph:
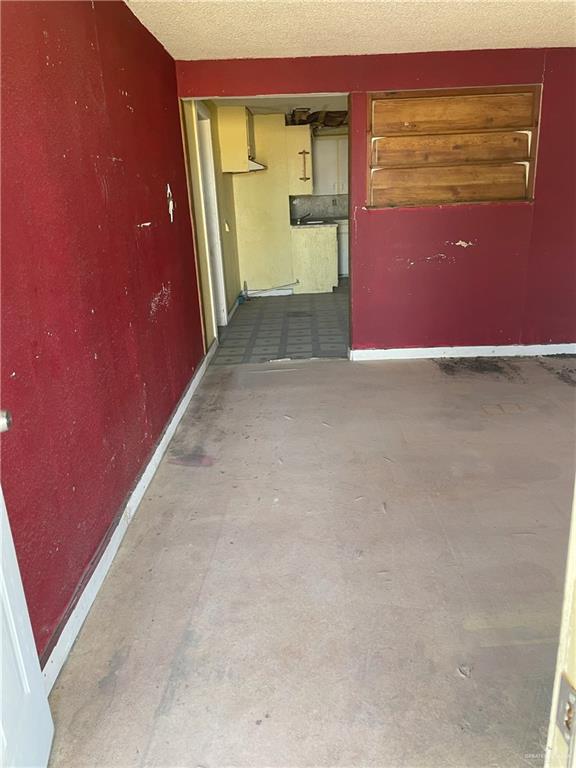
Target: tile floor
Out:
[299,327]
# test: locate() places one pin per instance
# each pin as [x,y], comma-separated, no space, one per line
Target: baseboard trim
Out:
[270,292]
[422,353]
[232,311]
[77,617]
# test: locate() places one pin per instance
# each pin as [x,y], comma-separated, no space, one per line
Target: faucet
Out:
[300,219]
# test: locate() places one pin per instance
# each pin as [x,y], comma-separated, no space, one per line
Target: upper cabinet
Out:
[299,154]
[330,155]
[236,140]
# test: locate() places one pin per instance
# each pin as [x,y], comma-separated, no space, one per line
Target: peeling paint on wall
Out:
[87,340]
[461,243]
[171,204]
[160,299]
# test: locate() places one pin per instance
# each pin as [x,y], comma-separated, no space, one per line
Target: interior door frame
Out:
[197,200]
[210,194]
[199,223]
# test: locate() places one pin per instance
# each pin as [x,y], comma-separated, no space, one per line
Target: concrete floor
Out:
[337,564]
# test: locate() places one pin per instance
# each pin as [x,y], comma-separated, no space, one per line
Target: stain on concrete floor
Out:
[561,366]
[369,574]
[499,367]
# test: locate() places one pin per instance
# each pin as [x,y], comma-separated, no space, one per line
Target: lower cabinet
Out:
[315,258]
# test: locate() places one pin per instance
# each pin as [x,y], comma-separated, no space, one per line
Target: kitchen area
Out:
[281,181]
[327,205]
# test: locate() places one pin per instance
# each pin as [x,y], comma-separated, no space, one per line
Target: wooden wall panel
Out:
[450,114]
[450,149]
[448,184]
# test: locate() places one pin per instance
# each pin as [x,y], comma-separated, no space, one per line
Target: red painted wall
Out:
[100,319]
[411,287]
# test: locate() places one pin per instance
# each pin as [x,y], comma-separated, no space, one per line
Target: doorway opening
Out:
[269,180]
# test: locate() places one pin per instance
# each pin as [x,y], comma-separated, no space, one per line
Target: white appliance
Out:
[342,234]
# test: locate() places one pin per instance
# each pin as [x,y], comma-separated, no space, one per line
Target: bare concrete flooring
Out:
[337,564]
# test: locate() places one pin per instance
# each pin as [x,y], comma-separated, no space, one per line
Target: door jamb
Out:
[210,194]
[198,220]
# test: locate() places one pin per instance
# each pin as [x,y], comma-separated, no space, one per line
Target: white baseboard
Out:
[76,619]
[421,353]
[271,292]
[232,311]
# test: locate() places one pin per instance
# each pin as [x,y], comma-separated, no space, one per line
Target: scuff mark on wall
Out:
[435,258]
[160,299]
[441,257]
[144,224]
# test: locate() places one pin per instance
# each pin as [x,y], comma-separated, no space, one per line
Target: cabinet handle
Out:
[304,152]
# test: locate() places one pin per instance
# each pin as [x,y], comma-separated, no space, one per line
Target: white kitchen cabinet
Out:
[342,180]
[330,163]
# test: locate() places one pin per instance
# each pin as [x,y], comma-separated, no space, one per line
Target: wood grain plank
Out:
[448,184]
[450,149]
[415,93]
[450,114]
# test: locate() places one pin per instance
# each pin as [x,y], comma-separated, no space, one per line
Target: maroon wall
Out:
[101,328]
[411,286]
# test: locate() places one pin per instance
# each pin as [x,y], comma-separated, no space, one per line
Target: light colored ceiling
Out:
[263,105]
[235,29]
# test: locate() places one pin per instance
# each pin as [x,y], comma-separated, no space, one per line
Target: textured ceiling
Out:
[236,29]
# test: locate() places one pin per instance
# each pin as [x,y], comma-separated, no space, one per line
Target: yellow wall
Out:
[227,215]
[262,210]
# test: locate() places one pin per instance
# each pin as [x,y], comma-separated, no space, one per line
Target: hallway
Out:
[318,578]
